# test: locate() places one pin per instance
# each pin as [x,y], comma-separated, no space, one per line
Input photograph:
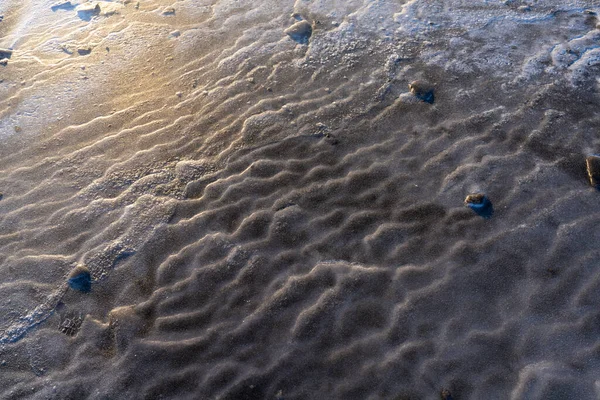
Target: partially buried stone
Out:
[479,203]
[86,11]
[445,395]
[62,5]
[301,31]
[592,164]
[5,53]
[422,90]
[168,11]
[80,279]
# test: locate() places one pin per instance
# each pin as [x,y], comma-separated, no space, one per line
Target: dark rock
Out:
[445,395]
[479,203]
[5,53]
[84,51]
[80,279]
[422,90]
[301,32]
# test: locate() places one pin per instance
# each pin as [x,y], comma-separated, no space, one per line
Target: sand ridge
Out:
[264,217]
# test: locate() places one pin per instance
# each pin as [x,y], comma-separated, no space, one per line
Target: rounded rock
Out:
[80,279]
[422,90]
[300,31]
[480,204]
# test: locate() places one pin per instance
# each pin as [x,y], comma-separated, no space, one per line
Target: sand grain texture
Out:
[265,208]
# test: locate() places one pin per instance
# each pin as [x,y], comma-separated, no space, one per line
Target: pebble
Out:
[445,395]
[168,11]
[592,164]
[300,32]
[422,90]
[5,53]
[80,279]
[175,34]
[480,204]
[86,11]
[62,5]
[84,51]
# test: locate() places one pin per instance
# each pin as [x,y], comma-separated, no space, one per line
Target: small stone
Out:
[524,8]
[301,32]
[179,94]
[592,164]
[168,11]
[62,5]
[1,17]
[80,279]
[5,53]
[18,129]
[175,34]
[445,395]
[84,51]
[86,11]
[4,62]
[479,203]
[422,90]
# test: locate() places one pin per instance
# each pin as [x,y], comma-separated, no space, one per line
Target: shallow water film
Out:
[310,199]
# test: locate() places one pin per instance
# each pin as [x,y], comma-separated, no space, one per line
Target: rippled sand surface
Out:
[266,211]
